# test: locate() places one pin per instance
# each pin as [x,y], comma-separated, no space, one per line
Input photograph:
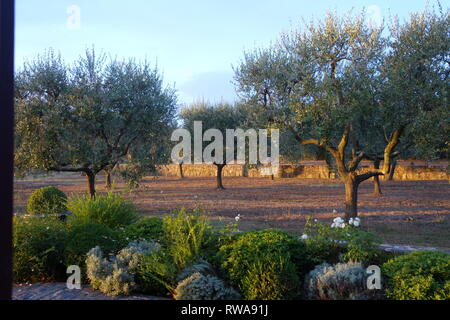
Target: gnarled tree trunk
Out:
[180,170]
[351,197]
[90,179]
[219,176]
[108,183]
[376,179]
[392,170]
[347,172]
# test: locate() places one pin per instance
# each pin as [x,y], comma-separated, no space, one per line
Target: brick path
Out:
[407,249]
[59,291]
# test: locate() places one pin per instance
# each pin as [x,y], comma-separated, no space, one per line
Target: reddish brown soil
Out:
[408,212]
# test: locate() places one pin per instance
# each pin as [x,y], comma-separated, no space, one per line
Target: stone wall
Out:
[202,170]
[421,173]
[305,171]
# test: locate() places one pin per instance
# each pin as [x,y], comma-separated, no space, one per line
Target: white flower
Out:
[237,218]
[338,220]
[334,211]
[350,222]
[304,237]
[333,225]
[342,225]
[356,223]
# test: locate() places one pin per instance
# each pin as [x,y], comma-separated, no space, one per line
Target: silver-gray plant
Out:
[202,266]
[343,281]
[204,287]
[115,275]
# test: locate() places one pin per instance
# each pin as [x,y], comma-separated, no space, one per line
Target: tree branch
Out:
[62,169]
[344,141]
[356,161]
[364,176]
[393,142]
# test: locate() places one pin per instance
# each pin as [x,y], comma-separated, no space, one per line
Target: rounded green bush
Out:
[253,254]
[109,209]
[420,275]
[47,200]
[146,228]
[38,246]
[84,237]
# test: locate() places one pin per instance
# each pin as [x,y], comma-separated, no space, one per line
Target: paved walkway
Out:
[407,249]
[59,291]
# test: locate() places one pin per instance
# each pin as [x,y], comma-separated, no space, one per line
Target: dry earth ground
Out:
[408,212]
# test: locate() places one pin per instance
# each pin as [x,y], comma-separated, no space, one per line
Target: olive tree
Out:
[338,85]
[89,116]
[220,116]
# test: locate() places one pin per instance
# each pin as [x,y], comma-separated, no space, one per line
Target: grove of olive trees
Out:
[356,90]
[89,116]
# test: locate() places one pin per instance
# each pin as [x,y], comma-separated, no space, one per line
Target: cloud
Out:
[375,15]
[214,86]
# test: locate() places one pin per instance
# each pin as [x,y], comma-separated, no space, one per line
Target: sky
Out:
[195,43]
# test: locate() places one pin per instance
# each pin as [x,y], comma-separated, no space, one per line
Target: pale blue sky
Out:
[195,42]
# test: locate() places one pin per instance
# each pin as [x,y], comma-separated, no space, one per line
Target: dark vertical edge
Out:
[6,144]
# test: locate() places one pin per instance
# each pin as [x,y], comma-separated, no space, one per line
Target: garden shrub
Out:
[186,235]
[156,273]
[47,200]
[343,281]
[84,237]
[266,279]
[362,246]
[322,243]
[325,244]
[110,209]
[38,246]
[251,252]
[202,266]
[116,275]
[420,275]
[146,228]
[204,287]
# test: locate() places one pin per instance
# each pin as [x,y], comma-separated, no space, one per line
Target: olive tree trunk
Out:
[180,170]
[351,198]
[219,176]
[90,179]
[392,170]
[108,183]
[376,179]
[348,171]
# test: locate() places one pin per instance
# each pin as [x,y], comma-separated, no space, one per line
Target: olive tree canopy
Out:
[343,86]
[87,117]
